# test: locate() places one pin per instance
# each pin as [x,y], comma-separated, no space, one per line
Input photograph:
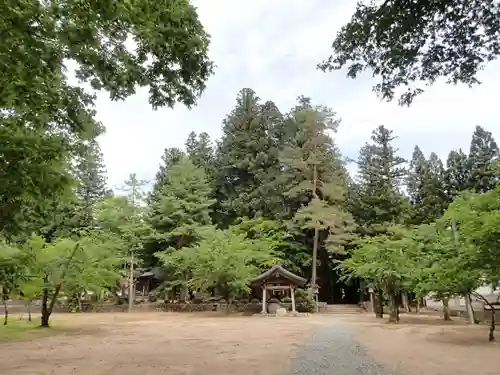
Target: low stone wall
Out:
[242,307]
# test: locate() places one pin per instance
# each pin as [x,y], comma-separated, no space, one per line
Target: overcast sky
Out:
[273,46]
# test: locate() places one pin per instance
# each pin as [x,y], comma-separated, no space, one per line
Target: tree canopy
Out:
[408,45]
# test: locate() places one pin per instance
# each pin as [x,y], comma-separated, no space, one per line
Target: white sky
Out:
[273,46]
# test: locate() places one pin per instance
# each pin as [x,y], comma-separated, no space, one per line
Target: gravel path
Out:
[333,351]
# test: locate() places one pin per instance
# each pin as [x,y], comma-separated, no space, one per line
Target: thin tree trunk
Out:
[468,303]
[491,336]
[315,243]
[45,310]
[46,307]
[446,309]
[469,309]
[131,284]
[379,300]
[406,305]
[394,315]
[29,311]
[5,311]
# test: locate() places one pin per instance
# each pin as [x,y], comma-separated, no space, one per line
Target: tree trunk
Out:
[469,309]
[406,305]
[379,302]
[315,242]
[394,315]
[29,311]
[417,307]
[6,312]
[131,284]
[45,309]
[229,302]
[446,309]
[491,337]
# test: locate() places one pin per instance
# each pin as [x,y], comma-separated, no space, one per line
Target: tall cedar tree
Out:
[247,161]
[408,44]
[315,175]
[379,178]
[426,189]
[483,154]
[181,207]
[90,176]
[170,156]
[457,174]
[200,151]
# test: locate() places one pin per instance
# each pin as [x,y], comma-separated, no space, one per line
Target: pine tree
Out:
[416,176]
[426,188]
[200,151]
[457,174]
[170,157]
[247,161]
[90,176]
[181,208]
[484,152]
[316,179]
[380,175]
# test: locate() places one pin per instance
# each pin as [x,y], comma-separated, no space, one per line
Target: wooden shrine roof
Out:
[278,271]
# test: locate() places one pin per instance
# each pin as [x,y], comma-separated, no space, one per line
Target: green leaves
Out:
[224,260]
[409,44]
[117,48]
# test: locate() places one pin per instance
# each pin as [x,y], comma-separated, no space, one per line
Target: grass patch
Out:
[18,329]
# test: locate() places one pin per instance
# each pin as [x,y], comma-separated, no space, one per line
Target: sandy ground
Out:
[430,346]
[155,343]
[198,344]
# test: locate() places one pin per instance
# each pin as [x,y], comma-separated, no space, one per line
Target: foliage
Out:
[478,220]
[304,302]
[484,152]
[426,188]
[224,260]
[180,208]
[246,161]
[89,263]
[378,201]
[44,117]
[409,44]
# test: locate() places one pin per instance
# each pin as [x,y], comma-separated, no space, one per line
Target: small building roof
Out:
[276,271]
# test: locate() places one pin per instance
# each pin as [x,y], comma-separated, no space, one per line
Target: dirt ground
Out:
[156,343]
[199,344]
[428,345]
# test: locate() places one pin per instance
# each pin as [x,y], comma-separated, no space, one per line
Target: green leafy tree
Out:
[90,262]
[283,241]
[409,44]
[442,268]
[44,117]
[12,274]
[484,152]
[224,260]
[383,261]
[477,217]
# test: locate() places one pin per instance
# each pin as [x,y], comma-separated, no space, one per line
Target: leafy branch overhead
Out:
[408,45]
